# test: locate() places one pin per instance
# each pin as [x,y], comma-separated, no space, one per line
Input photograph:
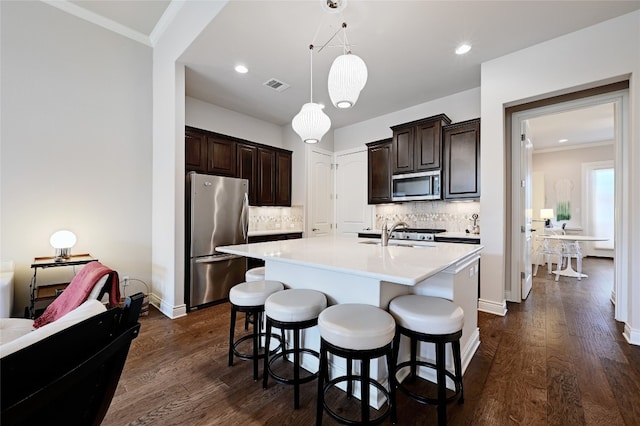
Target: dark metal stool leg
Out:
[322,373]
[442,384]
[265,369]
[231,334]
[457,362]
[364,389]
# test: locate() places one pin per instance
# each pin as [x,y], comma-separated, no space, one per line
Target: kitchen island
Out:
[360,270]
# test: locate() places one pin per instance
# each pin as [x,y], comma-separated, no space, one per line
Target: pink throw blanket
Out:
[78,290]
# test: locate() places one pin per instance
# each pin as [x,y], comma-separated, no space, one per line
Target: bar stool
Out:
[249,297]
[254,274]
[295,310]
[356,332]
[434,320]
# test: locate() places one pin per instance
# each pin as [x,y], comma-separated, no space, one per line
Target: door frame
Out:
[336,155]
[618,94]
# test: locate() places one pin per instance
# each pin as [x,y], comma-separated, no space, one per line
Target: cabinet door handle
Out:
[314,229]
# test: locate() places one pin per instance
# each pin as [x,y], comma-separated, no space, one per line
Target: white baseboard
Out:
[492,307]
[632,336]
[168,310]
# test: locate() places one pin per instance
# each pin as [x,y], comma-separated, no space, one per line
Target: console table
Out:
[50,291]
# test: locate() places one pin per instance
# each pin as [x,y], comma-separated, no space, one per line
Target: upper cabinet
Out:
[247,168]
[195,151]
[268,169]
[461,160]
[379,171]
[221,156]
[416,145]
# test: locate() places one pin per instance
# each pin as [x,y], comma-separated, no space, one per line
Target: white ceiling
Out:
[408,47]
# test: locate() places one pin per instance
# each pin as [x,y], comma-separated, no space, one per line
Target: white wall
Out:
[458,107]
[203,115]
[75,142]
[605,52]
[567,164]
[167,213]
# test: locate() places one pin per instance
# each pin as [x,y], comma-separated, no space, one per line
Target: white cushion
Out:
[428,315]
[95,292]
[253,293]
[12,328]
[255,274]
[295,305]
[356,326]
[88,309]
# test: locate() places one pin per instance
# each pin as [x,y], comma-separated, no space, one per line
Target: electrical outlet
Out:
[126,280]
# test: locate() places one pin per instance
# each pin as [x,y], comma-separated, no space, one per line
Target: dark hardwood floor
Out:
[558,358]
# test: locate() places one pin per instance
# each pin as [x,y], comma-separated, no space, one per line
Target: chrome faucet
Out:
[386,233]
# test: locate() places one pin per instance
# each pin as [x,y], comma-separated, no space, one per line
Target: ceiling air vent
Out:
[276,84]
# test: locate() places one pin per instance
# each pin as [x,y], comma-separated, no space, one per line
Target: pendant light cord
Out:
[311,71]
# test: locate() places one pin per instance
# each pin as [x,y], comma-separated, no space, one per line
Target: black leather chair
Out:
[71,376]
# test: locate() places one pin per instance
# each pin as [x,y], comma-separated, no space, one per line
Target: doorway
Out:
[515,117]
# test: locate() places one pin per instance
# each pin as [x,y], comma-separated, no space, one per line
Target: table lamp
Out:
[62,241]
[547,215]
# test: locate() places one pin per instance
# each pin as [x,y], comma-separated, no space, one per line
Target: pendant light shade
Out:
[311,123]
[347,77]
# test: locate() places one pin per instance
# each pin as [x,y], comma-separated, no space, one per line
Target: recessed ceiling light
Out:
[463,48]
[242,69]
[563,140]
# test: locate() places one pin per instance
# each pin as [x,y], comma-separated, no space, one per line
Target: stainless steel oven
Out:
[416,186]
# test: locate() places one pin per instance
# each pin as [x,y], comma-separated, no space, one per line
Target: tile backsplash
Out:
[454,217]
[275,218]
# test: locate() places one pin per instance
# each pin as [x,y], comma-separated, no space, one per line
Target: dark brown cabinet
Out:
[247,168]
[283,178]
[221,156]
[379,171]
[416,145]
[266,177]
[195,151]
[461,160]
[267,169]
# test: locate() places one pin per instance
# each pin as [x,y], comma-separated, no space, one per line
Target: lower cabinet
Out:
[461,160]
[379,171]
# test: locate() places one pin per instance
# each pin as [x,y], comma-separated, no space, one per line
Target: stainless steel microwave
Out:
[416,186]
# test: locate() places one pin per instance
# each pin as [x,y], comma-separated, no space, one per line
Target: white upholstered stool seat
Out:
[255,274]
[356,326]
[356,332]
[293,310]
[435,321]
[249,297]
[425,314]
[253,293]
[295,305]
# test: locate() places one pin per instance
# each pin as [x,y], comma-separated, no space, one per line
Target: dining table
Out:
[574,240]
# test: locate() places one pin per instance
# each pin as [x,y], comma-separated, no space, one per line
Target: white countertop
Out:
[395,263]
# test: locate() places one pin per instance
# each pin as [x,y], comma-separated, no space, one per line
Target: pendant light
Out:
[311,123]
[347,76]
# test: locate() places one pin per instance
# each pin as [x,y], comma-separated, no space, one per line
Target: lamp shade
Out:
[62,239]
[546,213]
[347,77]
[311,123]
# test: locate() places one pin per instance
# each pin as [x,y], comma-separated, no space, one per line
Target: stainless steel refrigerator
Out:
[217,215]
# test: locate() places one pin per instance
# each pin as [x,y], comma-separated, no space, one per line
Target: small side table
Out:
[50,291]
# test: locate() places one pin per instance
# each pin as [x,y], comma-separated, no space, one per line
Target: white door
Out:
[598,199]
[353,214]
[320,193]
[526,202]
